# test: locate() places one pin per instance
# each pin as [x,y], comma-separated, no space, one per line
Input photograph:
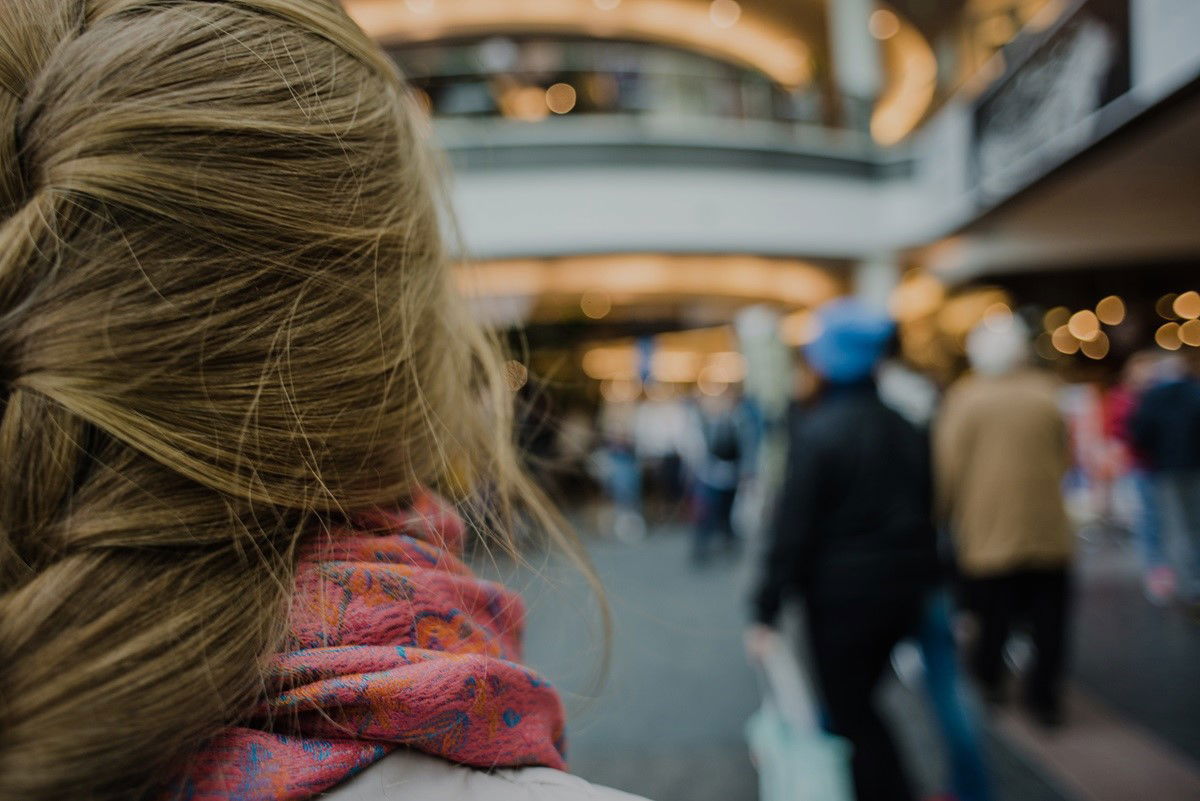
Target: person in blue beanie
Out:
[853,536]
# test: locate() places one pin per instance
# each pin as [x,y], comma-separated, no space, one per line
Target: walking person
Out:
[1166,428]
[1001,452]
[717,455]
[852,537]
[1121,402]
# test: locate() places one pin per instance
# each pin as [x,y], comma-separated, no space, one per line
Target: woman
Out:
[232,360]
[853,535]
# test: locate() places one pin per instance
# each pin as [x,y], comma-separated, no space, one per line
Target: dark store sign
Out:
[1045,109]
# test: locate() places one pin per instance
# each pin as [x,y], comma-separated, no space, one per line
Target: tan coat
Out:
[1000,453]
[411,776]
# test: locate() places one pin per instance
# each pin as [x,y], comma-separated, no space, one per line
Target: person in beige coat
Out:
[1001,450]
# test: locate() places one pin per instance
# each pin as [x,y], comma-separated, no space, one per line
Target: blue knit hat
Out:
[854,337]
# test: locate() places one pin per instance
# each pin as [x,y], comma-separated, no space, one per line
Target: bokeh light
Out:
[1167,336]
[1096,348]
[1189,333]
[883,24]
[1064,342]
[1056,318]
[1187,305]
[1111,310]
[1165,306]
[724,13]
[1084,325]
[560,98]
[596,304]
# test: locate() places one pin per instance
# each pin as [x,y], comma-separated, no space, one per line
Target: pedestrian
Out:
[716,458]
[853,537]
[1001,452]
[1120,403]
[1166,428]
[234,361]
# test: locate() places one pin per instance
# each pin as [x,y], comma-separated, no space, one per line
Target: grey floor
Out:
[668,721]
[1141,660]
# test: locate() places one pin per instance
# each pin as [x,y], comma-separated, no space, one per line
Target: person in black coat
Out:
[853,535]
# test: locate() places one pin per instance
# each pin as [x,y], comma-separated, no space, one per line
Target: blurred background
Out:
[655,195]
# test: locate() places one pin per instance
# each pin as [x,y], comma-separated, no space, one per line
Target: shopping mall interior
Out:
[652,200]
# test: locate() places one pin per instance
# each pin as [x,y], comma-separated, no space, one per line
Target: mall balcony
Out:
[653,199]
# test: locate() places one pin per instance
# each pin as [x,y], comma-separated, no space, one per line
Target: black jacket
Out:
[854,521]
[1166,426]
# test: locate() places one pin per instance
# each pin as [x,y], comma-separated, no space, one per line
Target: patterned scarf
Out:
[392,643]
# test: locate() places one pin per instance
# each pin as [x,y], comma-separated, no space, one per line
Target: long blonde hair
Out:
[226,318]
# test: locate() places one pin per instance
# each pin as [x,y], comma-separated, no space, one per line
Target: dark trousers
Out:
[852,642]
[1038,598]
[714,516]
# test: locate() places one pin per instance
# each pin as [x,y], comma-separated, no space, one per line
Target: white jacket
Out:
[412,776]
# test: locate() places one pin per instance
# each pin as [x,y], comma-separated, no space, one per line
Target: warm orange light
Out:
[916,297]
[883,24]
[1167,336]
[1084,325]
[1064,342]
[724,13]
[1044,345]
[1164,307]
[652,277]
[560,98]
[912,82]
[998,316]
[799,328]
[610,362]
[1041,14]
[749,39]
[596,304]
[1056,318]
[621,390]
[1187,305]
[526,103]
[711,382]
[1096,348]
[728,367]
[960,314]
[675,366]
[998,30]
[1189,333]
[1111,310]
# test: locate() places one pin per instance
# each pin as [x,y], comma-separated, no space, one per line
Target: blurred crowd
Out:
[894,509]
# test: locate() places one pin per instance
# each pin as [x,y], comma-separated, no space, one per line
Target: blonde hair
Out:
[226,321]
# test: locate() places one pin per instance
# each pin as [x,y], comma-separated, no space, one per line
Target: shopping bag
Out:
[796,759]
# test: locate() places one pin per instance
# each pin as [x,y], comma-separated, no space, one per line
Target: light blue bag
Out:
[796,759]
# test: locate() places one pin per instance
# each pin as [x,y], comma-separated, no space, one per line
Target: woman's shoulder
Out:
[405,775]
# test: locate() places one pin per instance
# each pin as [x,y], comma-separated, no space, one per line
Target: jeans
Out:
[953,704]
[715,515]
[1179,504]
[1147,527]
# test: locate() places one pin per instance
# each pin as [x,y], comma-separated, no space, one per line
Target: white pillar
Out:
[856,59]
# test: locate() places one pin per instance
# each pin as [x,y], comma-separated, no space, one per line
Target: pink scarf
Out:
[392,643]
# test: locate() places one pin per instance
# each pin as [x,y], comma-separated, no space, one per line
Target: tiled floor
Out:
[1140,660]
[668,722]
